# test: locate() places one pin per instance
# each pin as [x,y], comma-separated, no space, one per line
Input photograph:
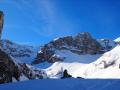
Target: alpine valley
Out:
[66,63]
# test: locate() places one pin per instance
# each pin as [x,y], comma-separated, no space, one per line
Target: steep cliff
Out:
[1,23]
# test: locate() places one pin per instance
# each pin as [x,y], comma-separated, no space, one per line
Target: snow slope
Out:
[107,66]
[117,40]
[21,53]
[64,84]
[73,57]
[70,57]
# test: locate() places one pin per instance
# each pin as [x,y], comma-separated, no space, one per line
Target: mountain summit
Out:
[81,44]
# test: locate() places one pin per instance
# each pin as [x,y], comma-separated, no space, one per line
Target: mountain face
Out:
[82,48]
[11,71]
[21,53]
[8,68]
[12,63]
[76,46]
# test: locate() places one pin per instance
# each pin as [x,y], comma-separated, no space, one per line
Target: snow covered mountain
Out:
[12,71]
[80,48]
[13,59]
[81,56]
[107,66]
[21,53]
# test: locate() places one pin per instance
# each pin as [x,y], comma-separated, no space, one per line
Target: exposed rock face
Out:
[32,73]
[106,44]
[83,43]
[8,68]
[1,23]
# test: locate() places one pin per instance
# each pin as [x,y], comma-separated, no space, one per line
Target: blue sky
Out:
[37,22]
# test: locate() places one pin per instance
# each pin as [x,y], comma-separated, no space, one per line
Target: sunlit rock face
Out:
[1,23]
[81,44]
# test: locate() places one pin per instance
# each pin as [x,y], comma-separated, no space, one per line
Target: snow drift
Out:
[107,66]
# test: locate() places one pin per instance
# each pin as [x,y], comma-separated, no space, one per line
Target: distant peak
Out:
[117,40]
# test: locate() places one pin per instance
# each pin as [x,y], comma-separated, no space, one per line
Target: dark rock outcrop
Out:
[83,43]
[66,75]
[32,73]
[8,68]
[1,22]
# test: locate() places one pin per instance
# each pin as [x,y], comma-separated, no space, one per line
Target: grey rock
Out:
[83,43]
[1,22]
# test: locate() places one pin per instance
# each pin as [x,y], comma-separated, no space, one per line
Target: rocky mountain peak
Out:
[84,34]
[82,43]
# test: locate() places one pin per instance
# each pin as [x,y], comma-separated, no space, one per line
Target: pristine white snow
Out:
[70,57]
[117,40]
[73,57]
[110,59]
[107,66]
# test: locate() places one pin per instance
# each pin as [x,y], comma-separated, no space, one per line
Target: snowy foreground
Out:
[106,67]
[64,84]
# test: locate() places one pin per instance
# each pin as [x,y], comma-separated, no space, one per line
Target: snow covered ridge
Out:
[117,40]
[12,71]
[54,51]
[22,53]
[106,67]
